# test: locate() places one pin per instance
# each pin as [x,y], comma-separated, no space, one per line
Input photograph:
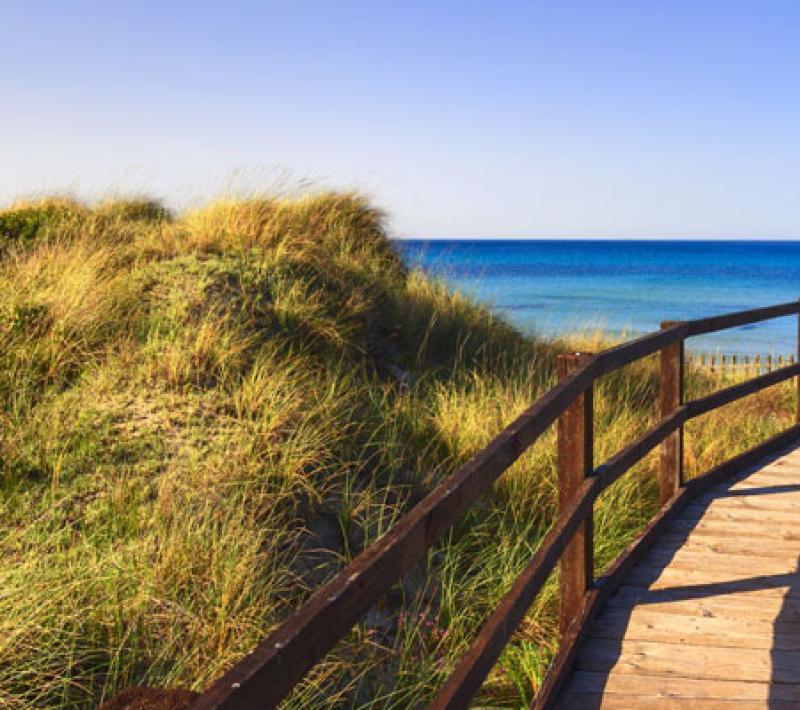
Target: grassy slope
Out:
[205,417]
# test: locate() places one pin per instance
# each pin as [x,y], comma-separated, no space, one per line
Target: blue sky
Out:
[460,118]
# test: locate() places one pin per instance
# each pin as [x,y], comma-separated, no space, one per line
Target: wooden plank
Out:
[734,605]
[642,624]
[756,521]
[766,481]
[755,496]
[721,525]
[699,662]
[712,583]
[656,701]
[766,490]
[735,565]
[790,462]
[779,470]
[747,498]
[736,610]
[773,475]
[727,546]
[752,503]
[633,685]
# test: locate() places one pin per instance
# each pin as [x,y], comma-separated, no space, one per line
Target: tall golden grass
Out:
[205,416]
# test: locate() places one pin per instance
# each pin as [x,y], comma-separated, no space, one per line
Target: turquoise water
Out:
[624,287]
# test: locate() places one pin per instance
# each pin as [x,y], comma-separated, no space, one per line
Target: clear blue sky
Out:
[598,118]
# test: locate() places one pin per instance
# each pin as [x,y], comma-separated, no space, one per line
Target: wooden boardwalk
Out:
[710,616]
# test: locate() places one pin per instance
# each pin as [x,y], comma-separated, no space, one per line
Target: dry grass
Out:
[205,416]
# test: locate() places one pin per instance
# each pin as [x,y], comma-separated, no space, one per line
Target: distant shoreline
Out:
[691,240]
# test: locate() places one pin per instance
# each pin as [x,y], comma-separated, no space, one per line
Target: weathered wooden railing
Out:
[268,674]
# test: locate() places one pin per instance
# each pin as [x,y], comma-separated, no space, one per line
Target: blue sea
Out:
[624,287]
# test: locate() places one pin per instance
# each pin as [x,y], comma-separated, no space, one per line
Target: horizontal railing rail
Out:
[268,674]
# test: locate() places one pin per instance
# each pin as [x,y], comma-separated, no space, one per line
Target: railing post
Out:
[671,396]
[575,453]
[797,380]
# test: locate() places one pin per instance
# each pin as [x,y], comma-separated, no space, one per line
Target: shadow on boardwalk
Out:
[668,655]
[785,648]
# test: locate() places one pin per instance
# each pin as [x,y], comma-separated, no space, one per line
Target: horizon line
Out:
[410,237]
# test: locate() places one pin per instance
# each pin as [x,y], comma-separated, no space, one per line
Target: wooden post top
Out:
[569,361]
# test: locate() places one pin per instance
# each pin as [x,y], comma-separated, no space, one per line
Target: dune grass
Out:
[205,416]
